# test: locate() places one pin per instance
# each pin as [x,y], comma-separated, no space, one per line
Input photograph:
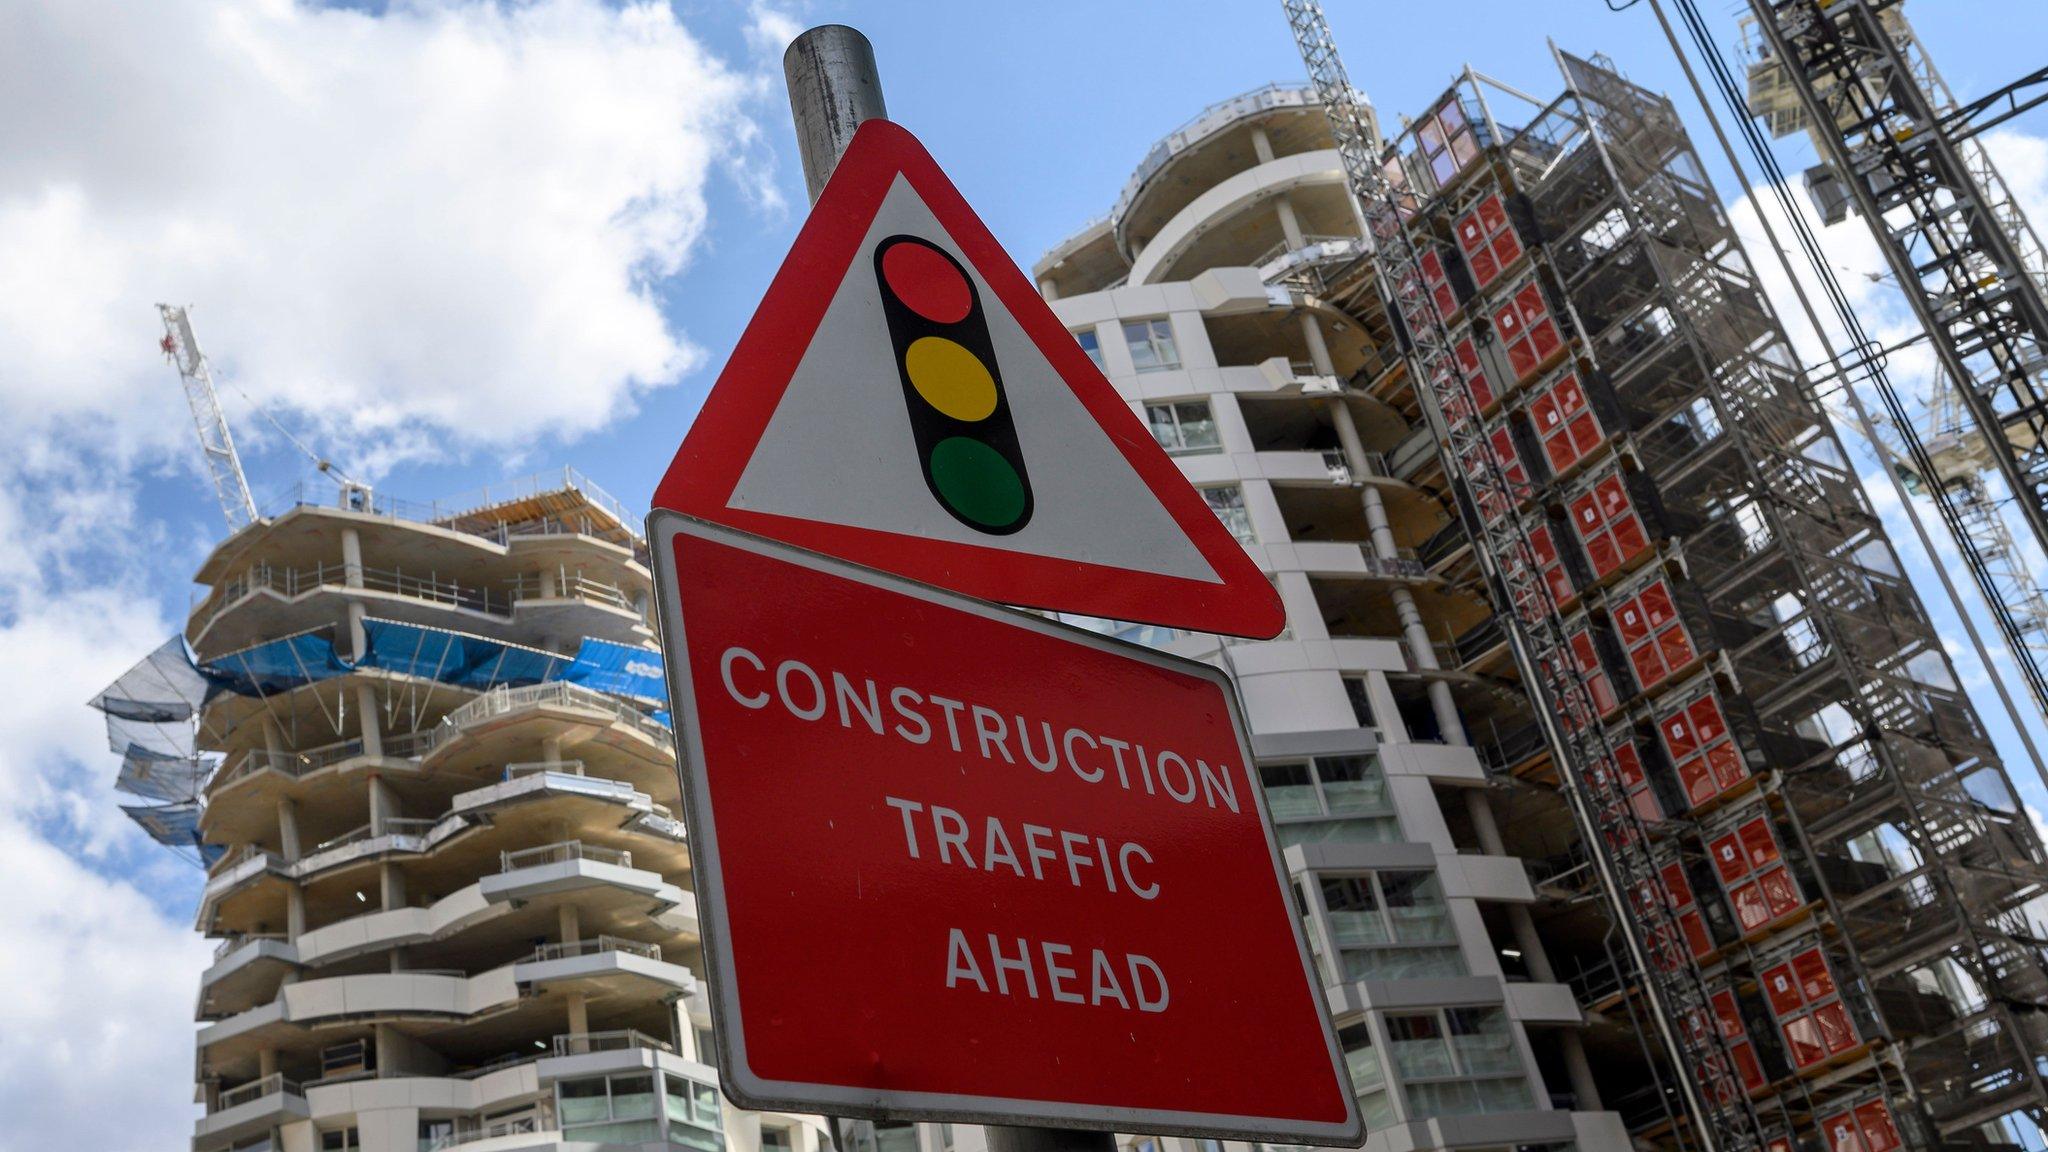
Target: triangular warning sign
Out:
[905,400]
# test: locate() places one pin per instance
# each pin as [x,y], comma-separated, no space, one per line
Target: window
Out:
[1152,347]
[1391,925]
[1358,690]
[707,1051]
[1368,1076]
[1227,502]
[775,1139]
[1457,1061]
[1445,141]
[1184,427]
[617,1109]
[693,1116]
[339,1140]
[1090,344]
[1330,798]
[436,1135]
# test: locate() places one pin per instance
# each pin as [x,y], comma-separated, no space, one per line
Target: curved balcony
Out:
[1209,148]
[608,738]
[249,892]
[248,1109]
[1215,228]
[436,1001]
[539,517]
[268,600]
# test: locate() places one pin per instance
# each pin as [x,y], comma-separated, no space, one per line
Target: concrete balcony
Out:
[267,600]
[1202,232]
[248,1109]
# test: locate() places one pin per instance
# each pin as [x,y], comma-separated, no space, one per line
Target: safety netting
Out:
[152,710]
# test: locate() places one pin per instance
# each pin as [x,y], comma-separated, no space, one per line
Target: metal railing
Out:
[221,950]
[540,767]
[257,1090]
[618,1040]
[291,583]
[562,852]
[594,945]
[452,512]
[554,693]
[537,586]
[470,1129]
[411,826]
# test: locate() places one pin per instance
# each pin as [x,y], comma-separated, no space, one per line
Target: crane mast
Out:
[1708,1084]
[216,443]
[1964,255]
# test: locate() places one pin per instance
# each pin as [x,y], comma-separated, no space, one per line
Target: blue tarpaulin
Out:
[455,657]
[276,665]
[618,669]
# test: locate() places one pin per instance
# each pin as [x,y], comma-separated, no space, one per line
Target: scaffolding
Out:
[1902,153]
[1834,892]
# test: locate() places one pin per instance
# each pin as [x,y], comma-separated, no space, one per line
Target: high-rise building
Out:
[1789,774]
[444,859]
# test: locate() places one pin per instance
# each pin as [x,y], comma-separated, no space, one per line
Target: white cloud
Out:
[99,1017]
[451,215]
[427,230]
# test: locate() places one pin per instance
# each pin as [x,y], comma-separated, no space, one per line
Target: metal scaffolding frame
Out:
[1853,766]
[1495,506]
[1964,256]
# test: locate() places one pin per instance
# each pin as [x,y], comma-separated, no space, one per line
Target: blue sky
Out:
[452,242]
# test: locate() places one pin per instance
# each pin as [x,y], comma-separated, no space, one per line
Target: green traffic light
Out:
[977,482]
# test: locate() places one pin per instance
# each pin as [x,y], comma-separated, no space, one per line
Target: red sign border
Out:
[706,469]
[737,1081]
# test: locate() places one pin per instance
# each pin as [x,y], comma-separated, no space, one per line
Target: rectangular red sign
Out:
[958,862]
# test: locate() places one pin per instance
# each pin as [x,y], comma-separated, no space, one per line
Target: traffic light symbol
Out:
[966,439]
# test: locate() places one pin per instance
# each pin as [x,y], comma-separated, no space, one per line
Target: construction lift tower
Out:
[1495,506]
[1898,149]
[216,443]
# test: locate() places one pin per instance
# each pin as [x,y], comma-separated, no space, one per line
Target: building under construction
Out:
[1775,856]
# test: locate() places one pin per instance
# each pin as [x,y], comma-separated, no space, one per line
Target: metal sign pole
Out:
[833,87]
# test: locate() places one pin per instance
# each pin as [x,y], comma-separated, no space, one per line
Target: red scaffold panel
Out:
[1653,634]
[1488,239]
[1586,662]
[1736,1037]
[1565,423]
[1474,372]
[1802,994]
[1608,526]
[1686,910]
[1438,281]
[1701,750]
[1527,330]
[1550,565]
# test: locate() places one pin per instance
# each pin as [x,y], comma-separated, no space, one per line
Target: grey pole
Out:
[833,86]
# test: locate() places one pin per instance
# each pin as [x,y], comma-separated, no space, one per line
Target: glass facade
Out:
[1330,798]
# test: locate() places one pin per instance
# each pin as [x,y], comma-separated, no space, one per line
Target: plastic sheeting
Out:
[276,665]
[154,776]
[455,657]
[174,825]
[619,669]
[163,687]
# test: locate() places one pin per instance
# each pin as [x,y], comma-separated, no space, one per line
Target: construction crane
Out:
[216,442]
[1709,1086]
[1899,149]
